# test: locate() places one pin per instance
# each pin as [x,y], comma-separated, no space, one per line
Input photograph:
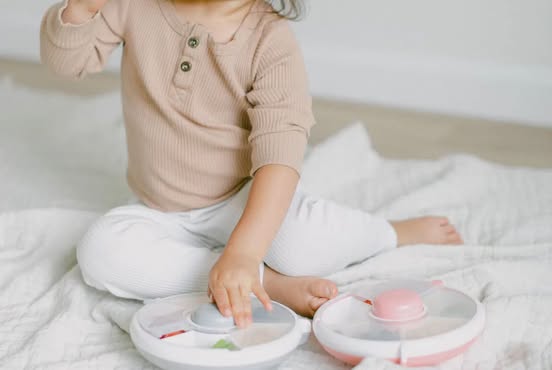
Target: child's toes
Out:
[323,289]
[316,302]
[443,221]
[449,229]
[454,238]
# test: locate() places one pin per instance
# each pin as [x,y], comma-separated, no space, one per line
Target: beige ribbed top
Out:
[201,117]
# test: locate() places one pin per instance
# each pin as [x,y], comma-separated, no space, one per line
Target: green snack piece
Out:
[225,344]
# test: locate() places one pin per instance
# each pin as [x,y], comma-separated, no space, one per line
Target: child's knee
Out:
[104,252]
[94,252]
[133,256]
[294,257]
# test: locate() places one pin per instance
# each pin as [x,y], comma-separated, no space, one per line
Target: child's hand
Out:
[80,11]
[93,6]
[231,281]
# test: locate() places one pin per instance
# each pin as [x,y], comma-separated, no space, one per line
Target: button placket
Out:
[191,48]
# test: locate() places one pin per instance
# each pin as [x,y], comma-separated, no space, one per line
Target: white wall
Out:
[485,58]
[490,58]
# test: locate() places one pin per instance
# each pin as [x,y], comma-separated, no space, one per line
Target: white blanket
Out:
[62,162]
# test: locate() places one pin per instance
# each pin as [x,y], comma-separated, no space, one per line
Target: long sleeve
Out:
[281,114]
[76,50]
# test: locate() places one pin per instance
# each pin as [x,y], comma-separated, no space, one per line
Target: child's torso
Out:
[185,105]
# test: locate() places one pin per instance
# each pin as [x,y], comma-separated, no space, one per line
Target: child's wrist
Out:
[77,13]
[243,252]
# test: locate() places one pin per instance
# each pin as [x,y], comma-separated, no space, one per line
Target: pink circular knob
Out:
[398,305]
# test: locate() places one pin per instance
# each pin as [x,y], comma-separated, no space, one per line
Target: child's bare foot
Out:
[304,294]
[426,230]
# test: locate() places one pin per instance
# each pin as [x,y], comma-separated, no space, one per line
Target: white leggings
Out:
[138,252]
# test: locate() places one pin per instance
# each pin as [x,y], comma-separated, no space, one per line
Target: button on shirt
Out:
[185,66]
[193,42]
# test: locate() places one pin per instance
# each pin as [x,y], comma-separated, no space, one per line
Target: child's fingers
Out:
[237,305]
[246,302]
[221,299]
[259,291]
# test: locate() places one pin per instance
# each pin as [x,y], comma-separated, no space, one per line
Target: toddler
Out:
[217,114]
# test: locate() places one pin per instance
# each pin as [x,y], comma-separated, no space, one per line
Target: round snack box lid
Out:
[414,323]
[188,332]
